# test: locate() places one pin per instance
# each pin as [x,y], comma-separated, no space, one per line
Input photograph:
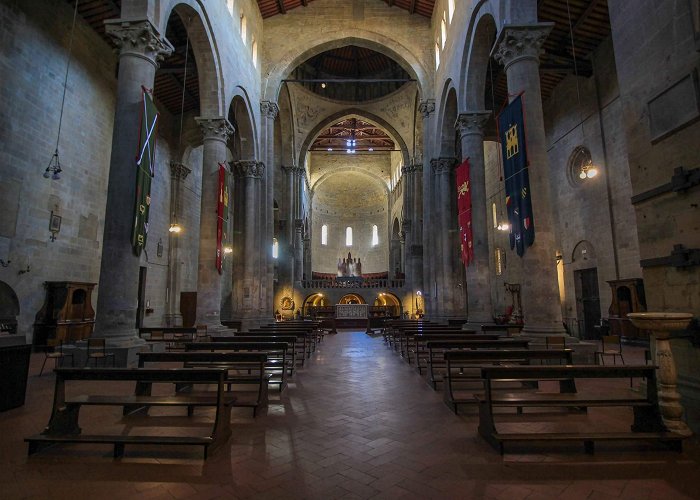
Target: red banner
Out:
[464,210]
[222,216]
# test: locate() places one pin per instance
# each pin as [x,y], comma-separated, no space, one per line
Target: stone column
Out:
[427,108]
[450,301]
[141,47]
[216,132]
[247,285]
[518,49]
[178,174]
[412,226]
[269,111]
[471,129]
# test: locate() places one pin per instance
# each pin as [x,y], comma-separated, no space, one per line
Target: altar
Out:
[352,311]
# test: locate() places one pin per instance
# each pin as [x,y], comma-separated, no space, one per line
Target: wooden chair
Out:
[201,335]
[55,353]
[555,342]
[611,346]
[96,350]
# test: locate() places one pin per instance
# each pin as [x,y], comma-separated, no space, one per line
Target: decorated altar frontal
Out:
[351,311]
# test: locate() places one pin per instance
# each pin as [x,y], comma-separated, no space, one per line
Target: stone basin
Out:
[660,321]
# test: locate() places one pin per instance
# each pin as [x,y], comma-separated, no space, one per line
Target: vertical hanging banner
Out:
[222,216]
[464,211]
[145,170]
[511,133]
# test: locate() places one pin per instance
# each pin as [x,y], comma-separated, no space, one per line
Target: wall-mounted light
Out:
[175,228]
[503,226]
[588,171]
[228,250]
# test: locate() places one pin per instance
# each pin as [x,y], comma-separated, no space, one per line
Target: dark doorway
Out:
[142,297]
[588,301]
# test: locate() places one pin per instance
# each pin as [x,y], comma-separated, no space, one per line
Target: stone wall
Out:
[33,64]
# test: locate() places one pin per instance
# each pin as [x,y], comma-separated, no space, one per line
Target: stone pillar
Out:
[215,132]
[427,108]
[412,227]
[178,174]
[518,48]
[471,129]
[269,111]
[247,285]
[141,46]
[450,298]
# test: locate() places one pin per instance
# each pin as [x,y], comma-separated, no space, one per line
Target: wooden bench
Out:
[292,341]
[438,347]
[647,424]
[242,368]
[463,367]
[172,337]
[63,425]
[305,339]
[404,336]
[417,344]
[277,364]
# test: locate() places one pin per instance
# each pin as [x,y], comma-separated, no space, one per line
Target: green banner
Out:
[145,171]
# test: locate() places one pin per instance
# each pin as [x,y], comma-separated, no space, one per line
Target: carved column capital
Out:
[472,122]
[269,109]
[442,165]
[179,171]
[518,42]
[138,38]
[426,107]
[293,170]
[217,128]
[248,168]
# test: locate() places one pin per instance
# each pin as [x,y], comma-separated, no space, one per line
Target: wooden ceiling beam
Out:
[413,6]
[280,4]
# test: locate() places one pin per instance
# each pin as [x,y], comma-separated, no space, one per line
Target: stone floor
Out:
[357,422]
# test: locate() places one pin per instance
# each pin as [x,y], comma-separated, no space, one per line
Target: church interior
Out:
[389,212]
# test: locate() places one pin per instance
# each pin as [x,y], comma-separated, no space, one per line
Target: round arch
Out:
[446,121]
[358,170]
[348,113]
[244,138]
[476,67]
[328,41]
[352,298]
[195,18]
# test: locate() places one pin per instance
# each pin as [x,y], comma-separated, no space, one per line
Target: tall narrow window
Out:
[275,248]
[324,234]
[244,29]
[230,6]
[255,53]
[499,261]
[495,215]
[451,8]
[443,30]
[437,53]
[348,236]
[375,235]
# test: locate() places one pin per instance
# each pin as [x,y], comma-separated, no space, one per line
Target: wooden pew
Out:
[173,337]
[63,425]
[294,352]
[242,368]
[647,424]
[418,349]
[404,336]
[464,367]
[278,350]
[304,339]
[437,349]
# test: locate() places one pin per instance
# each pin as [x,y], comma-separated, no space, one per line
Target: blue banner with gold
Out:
[511,132]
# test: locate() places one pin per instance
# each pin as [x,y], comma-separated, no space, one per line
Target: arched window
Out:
[437,53]
[275,248]
[450,8]
[230,6]
[494,210]
[375,235]
[244,29]
[348,236]
[324,234]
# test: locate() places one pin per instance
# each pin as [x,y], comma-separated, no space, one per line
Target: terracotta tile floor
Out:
[357,422]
